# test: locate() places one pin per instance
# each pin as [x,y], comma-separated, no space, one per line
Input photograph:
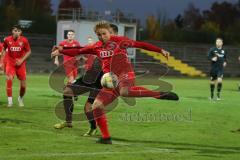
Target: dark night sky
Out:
[143,8]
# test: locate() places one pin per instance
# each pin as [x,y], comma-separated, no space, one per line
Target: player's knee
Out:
[124,92]
[23,83]
[68,92]
[219,80]
[9,77]
[97,105]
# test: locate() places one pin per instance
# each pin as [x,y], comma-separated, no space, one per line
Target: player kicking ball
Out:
[16,48]
[89,82]
[113,54]
[217,56]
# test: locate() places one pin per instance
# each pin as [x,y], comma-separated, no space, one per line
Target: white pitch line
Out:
[48,155]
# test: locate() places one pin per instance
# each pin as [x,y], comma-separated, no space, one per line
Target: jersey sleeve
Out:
[75,51]
[1,47]
[27,45]
[225,57]
[129,43]
[210,54]
[5,44]
[61,44]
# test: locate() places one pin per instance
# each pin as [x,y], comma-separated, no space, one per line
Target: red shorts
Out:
[126,80]
[107,96]
[71,67]
[20,71]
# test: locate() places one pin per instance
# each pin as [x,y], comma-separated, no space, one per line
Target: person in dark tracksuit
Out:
[218,58]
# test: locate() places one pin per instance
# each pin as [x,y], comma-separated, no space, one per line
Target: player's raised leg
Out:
[127,87]
[139,91]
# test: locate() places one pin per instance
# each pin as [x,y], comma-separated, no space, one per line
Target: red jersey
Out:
[117,45]
[66,43]
[16,48]
[1,47]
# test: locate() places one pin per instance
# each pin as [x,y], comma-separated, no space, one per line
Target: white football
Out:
[109,80]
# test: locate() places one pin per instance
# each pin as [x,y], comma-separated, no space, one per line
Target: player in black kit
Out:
[217,56]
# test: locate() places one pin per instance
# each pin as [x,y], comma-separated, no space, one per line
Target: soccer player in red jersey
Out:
[17,50]
[112,52]
[1,47]
[88,82]
[68,61]
[1,60]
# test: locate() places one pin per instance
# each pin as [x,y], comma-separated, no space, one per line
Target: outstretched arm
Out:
[73,52]
[128,43]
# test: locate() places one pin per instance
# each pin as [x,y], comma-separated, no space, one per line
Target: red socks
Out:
[101,121]
[138,91]
[22,91]
[9,88]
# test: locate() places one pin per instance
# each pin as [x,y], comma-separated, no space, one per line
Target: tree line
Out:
[196,26]
[40,12]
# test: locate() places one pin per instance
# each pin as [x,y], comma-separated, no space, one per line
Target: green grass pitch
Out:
[193,128]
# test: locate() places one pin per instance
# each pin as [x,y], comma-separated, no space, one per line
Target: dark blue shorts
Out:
[215,74]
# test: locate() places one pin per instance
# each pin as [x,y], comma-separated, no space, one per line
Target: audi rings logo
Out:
[15,49]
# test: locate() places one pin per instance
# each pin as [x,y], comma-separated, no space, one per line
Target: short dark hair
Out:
[16,27]
[114,28]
